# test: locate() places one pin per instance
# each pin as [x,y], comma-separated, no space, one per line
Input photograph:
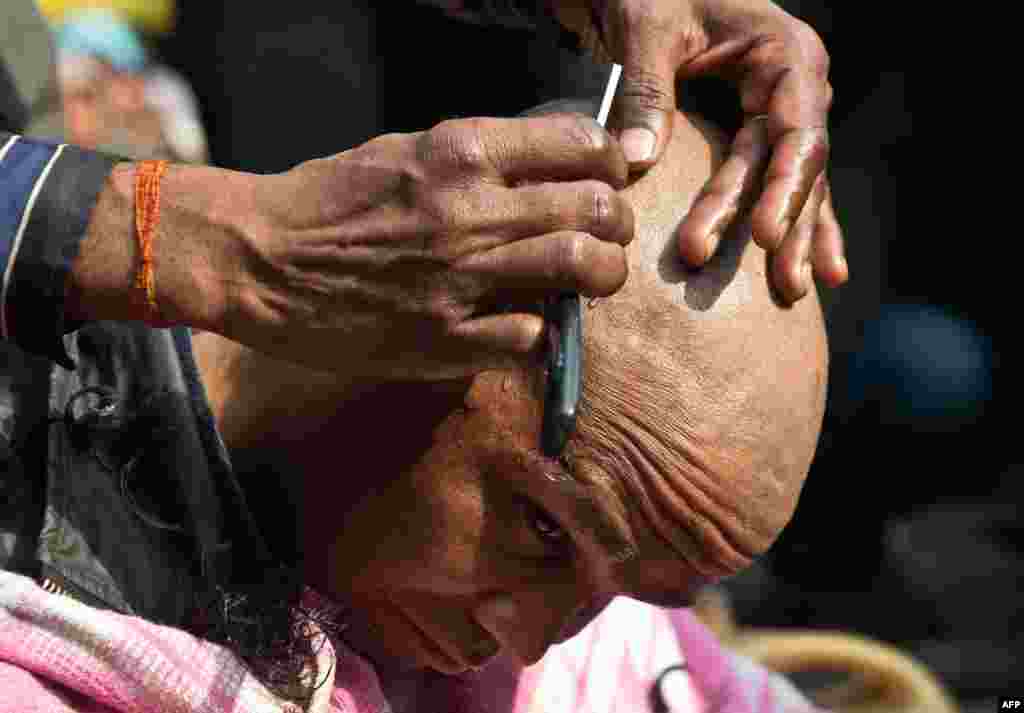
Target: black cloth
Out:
[13,112]
[114,483]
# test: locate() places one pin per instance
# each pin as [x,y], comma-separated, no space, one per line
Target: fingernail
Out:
[638,144]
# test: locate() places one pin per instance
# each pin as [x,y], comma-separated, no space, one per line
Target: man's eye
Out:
[546,527]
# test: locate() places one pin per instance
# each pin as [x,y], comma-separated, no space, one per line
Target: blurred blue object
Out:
[105,35]
[922,367]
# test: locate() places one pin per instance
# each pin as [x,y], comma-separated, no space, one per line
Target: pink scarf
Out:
[60,656]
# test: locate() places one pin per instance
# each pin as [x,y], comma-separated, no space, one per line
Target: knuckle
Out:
[812,47]
[647,17]
[586,133]
[569,259]
[644,88]
[431,143]
[455,145]
[602,203]
[467,153]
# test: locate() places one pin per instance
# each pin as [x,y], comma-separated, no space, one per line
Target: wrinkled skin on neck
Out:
[428,509]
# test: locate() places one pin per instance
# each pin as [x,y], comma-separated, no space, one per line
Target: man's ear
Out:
[588,106]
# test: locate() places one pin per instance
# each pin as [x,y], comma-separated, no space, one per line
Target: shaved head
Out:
[702,395]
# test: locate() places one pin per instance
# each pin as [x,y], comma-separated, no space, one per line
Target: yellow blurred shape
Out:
[154,16]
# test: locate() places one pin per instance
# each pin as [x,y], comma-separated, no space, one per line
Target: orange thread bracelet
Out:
[147,217]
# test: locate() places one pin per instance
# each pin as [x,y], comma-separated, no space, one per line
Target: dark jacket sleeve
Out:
[47,194]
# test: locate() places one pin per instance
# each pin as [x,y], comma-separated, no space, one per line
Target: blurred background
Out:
[909,529]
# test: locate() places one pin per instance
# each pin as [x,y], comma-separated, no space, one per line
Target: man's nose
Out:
[528,626]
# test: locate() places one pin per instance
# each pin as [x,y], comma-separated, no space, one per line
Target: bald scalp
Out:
[703,396]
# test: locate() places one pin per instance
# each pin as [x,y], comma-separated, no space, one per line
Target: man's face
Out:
[471,517]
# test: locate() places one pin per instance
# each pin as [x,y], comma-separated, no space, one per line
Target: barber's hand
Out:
[394,260]
[781,69]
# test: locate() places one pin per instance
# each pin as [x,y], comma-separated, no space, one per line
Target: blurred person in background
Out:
[114,95]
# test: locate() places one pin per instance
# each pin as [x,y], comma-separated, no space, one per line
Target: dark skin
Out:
[780,67]
[429,509]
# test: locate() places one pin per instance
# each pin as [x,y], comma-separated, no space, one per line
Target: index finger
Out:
[554,147]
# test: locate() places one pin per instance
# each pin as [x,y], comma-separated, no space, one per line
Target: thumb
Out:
[645,106]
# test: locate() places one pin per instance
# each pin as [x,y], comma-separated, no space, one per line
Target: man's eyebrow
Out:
[615,541]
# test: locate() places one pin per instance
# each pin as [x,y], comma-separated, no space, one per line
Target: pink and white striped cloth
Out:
[60,656]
